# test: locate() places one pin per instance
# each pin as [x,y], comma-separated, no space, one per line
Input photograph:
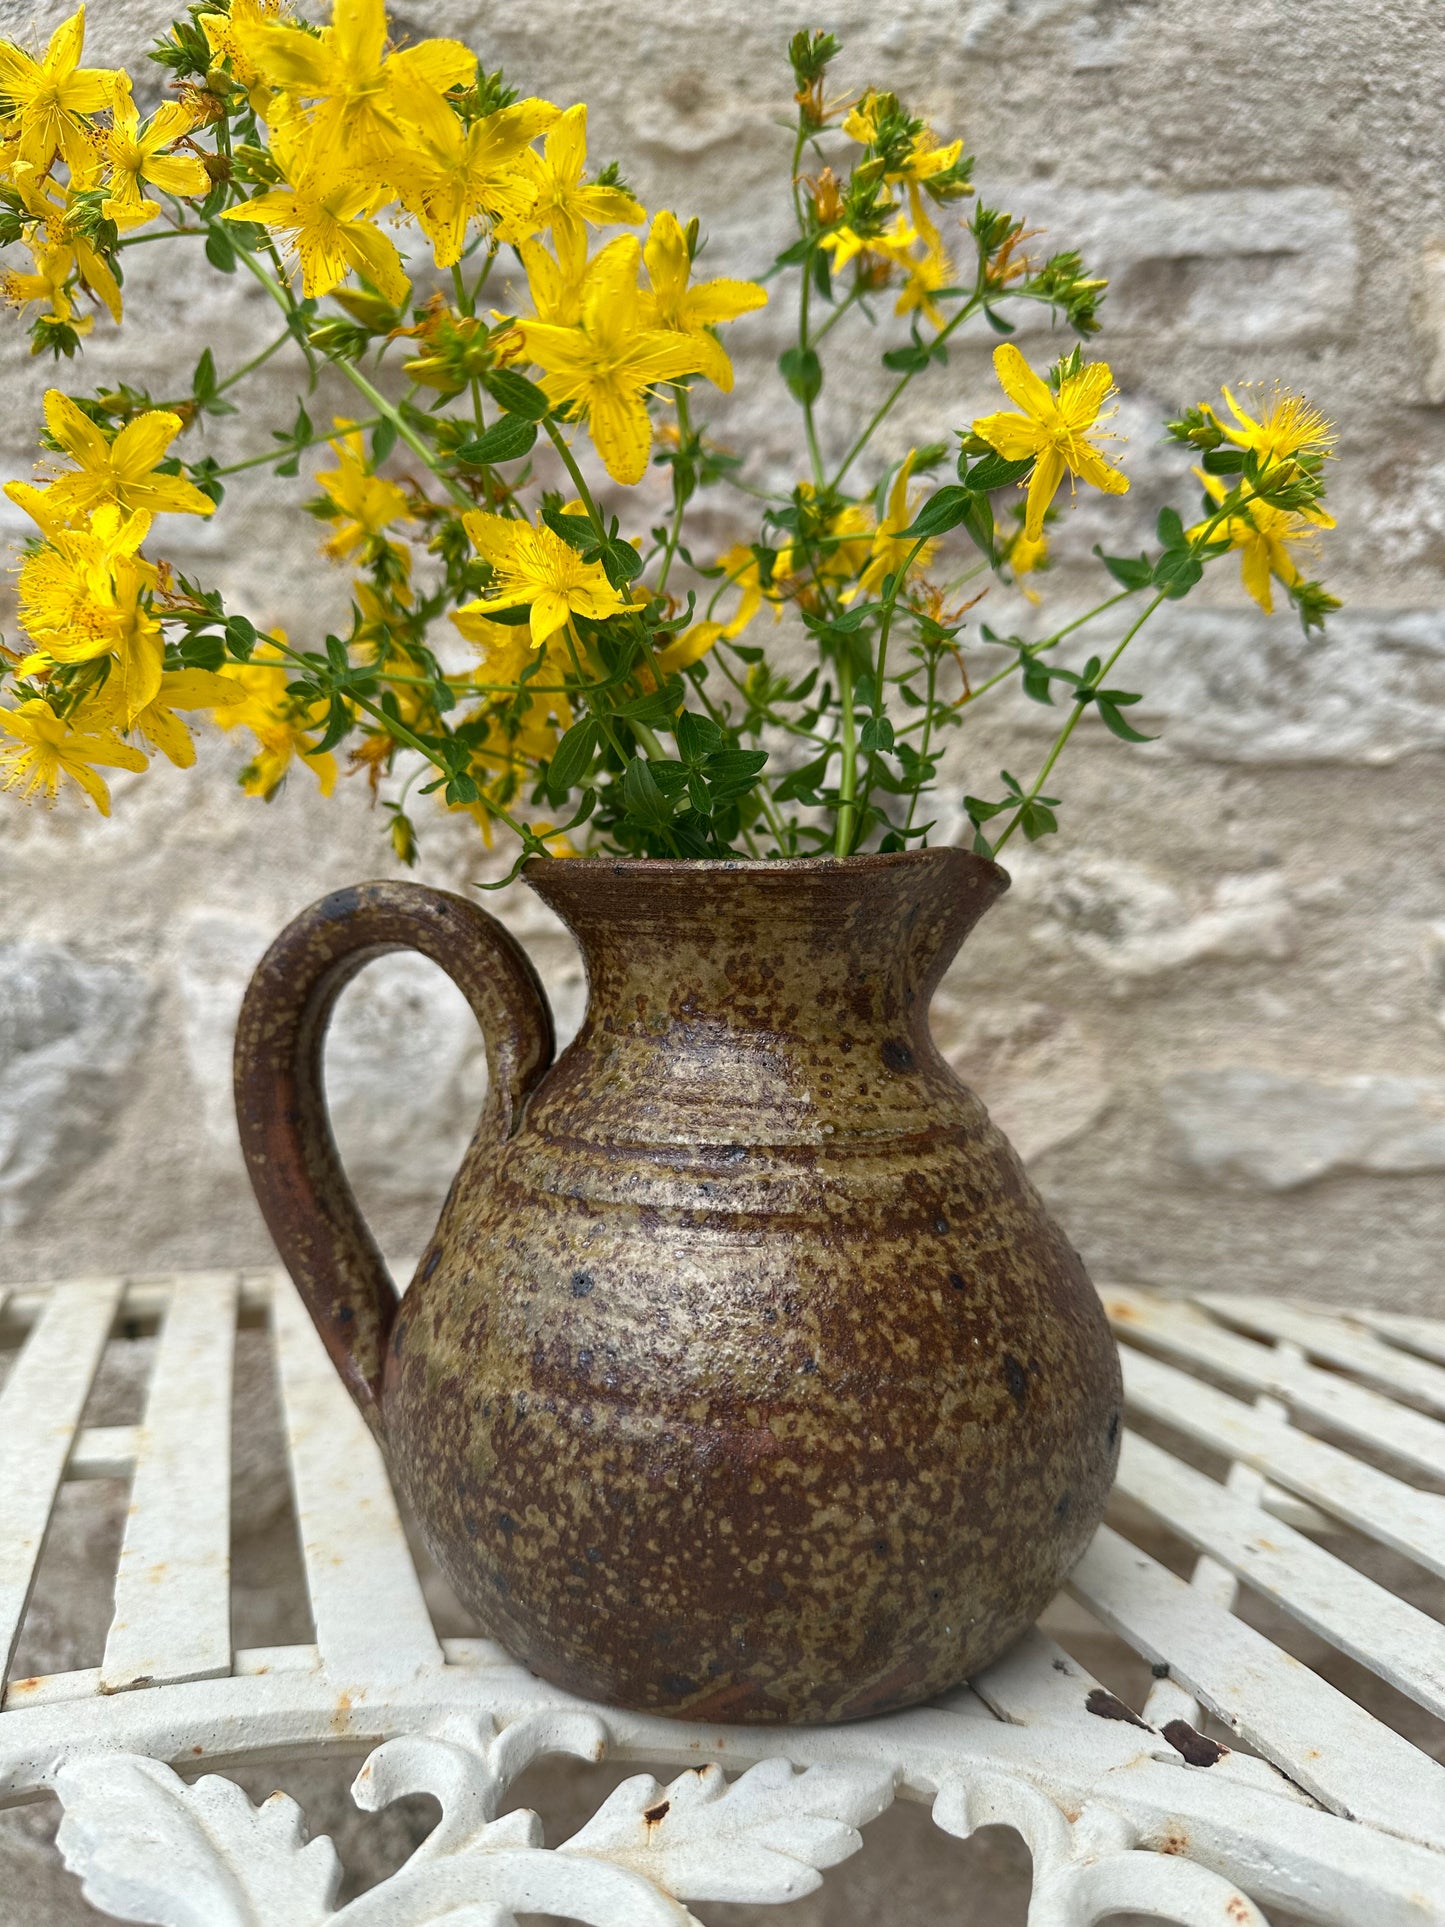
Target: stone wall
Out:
[1210,1011]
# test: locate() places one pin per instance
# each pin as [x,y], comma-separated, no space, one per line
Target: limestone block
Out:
[1429,320]
[405,1066]
[69,1031]
[1435,968]
[1272,1131]
[1248,688]
[1134,924]
[1223,267]
[1041,1074]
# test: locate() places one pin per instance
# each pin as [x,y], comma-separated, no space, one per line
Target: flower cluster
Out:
[513,649]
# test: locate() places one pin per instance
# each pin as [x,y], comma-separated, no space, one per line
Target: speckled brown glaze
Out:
[746,1377]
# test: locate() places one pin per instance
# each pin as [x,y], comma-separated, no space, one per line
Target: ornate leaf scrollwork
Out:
[1086,1871]
[150,1848]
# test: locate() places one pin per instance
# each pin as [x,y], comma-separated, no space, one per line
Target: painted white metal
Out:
[366,1601]
[1357,1351]
[1394,1639]
[1364,1415]
[40,1406]
[172,1617]
[1346,1828]
[1346,1758]
[1382,1507]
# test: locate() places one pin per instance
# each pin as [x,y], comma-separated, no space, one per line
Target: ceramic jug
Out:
[745,1376]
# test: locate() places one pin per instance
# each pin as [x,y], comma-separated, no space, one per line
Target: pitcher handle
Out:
[286,1137]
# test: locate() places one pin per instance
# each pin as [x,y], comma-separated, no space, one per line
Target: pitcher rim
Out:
[862,861]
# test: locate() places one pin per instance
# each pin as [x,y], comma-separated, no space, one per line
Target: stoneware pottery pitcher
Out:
[745,1376]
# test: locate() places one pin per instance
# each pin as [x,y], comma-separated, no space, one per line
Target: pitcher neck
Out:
[797,946]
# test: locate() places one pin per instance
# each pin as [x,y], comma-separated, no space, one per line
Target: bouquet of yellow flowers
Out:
[514,646]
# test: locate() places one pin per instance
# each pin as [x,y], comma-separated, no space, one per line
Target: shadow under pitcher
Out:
[745,1376]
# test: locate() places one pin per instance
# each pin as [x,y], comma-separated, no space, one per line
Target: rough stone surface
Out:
[69,1031]
[1272,205]
[1276,1132]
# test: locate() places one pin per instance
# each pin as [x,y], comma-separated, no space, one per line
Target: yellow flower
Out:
[324,217]
[563,199]
[1287,425]
[347,69]
[876,254]
[1053,429]
[693,309]
[282,725]
[927,273]
[446,174]
[842,540]
[53,217]
[534,568]
[135,157]
[555,282]
[51,95]
[163,729]
[50,283]
[119,471]
[1264,534]
[229,34]
[606,365]
[368,503]
[690,647]
[742,572]
[890,548]
[42,749]
[80,598]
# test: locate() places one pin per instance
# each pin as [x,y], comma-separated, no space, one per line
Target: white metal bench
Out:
[1284,1447]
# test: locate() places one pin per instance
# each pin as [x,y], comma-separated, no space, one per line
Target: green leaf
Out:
[1126,570]
[507,440]
[383,440]
[203,381]
[992,471]
[1036,819]
[572,758]
[1176,572]
[1170,529]
[979,523]
[1223,461]
[801,785]
[516,394]
[644,801]
[241,637]
[203,652]
[803,372]
[1115,722]
[877,734]
[941,512]
[997,322]
[907,361]
[697,736]
[219,251]
[658,707]
[620,562]
[731,773]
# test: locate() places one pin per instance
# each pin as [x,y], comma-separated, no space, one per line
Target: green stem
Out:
[256,361]
[293,448]
[933,656]
[971,306]
[679,499]
[281,295]
[890,603]
[1072,724]
[579,480]
[848,777]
